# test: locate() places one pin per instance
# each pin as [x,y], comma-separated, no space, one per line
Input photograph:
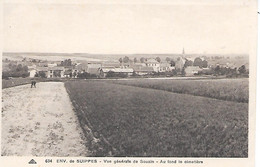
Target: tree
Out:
[36,74]
[142,59]
[110,74]
[57,73]
[126,59]
[85,75]
[204,63]
[197,62]
[16,71]
[135,60]
[158,59]
[69,62]
[74,74]
[183,71]
[66,62]
[42,74]
[168,59]
[25,68]
[174,72]
[188,63]
[19,68]
[172,63]
[217,70]
[120,60]
[242,69]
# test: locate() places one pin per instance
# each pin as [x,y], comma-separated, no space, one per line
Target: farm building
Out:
[143,70]
[104,71]
[191,70]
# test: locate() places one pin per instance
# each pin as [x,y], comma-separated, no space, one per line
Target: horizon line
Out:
[126,53]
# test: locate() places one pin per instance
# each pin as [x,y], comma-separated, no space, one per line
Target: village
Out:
[181,65]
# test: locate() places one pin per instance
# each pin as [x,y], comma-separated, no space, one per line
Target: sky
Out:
[128,28]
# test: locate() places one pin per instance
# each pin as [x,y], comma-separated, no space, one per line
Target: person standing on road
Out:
[33,83]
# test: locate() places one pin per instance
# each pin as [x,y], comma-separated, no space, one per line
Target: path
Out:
[40,122]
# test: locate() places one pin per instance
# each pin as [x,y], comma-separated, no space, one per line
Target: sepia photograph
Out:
[128,79]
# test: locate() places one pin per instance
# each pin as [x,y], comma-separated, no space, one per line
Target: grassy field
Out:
[15,82]
[134,121]
[223,89]
[22,81]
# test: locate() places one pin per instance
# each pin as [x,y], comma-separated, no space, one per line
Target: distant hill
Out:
[103,57]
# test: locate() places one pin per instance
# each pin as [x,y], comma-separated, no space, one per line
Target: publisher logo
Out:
[32,162]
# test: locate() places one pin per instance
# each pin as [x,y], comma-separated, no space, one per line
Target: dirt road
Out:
[40,122]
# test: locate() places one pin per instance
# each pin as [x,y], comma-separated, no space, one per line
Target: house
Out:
[50,72]
[55,72]
[52,65]
[93,71]
[127,71]
[143,70]
[32,67]
[32,70]
[207,71]
[32,73]
[111,64]
[165,67]
[42,64]
[126,65]
[81,67]
[154,64]
[192,70]
[103,71]
[42,71]
[137,64]
[67,74]
[93,68]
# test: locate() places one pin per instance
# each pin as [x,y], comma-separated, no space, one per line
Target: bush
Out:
[112,74]
[86,75]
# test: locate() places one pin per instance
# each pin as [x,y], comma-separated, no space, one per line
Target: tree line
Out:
[15,70]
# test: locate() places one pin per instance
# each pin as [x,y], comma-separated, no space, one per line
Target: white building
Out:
[153,63]
[52,65]
[192,70]
[165,67]
[32,73]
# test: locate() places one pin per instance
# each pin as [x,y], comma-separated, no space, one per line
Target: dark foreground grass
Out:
[136,121]
[223,89]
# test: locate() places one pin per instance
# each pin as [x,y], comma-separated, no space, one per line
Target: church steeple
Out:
[183,51]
